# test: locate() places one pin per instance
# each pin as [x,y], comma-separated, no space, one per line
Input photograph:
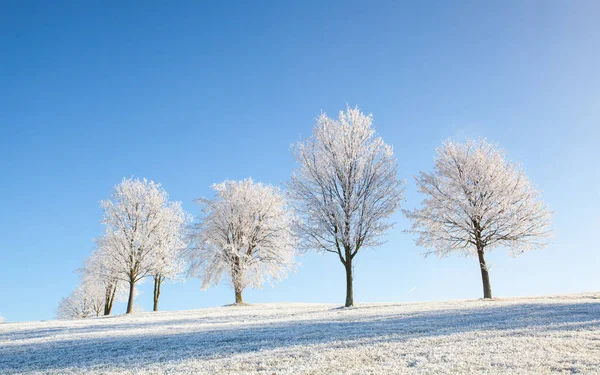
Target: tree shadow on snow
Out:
[139,348]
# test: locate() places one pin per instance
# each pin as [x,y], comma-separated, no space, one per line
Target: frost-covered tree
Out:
[74,306]
[99,271]
[475,201]
[83,302]
[95,293]
[89,298]
[345,189]
[168,253]
[246,234]
[137,219]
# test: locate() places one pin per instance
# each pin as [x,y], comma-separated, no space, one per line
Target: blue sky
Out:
[192,94]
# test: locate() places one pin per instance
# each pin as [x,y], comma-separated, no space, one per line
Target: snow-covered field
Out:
[510,336]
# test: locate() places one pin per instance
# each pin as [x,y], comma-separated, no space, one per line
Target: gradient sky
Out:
[192,94]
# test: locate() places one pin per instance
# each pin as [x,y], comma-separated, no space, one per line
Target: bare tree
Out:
[246,233]
[135,220]
[346,188]
[475,201]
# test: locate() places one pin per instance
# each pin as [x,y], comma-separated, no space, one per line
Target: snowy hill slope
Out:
[511,336]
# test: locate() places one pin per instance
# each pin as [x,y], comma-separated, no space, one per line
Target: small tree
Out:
[246,234]
[135,222]
[475,201]
[95,293]
[83,302]
[168,251]
[74,306]
[99,271]
[346,188]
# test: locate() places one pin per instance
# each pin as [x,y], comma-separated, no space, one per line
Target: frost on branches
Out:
[86,301]
[99,272]
[143,232]
[96,292]
[475,201]
[346,188]
[169,249]
[246,235]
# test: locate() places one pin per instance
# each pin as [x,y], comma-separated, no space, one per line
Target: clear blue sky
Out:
[192,94]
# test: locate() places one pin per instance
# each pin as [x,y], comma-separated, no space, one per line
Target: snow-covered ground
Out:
[509,336]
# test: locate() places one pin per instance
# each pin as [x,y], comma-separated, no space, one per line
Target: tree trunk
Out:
[130,301]
[110,298]
[238,296]
[485,276]
[349,286]
[107,305]
[236,280]
[157,282]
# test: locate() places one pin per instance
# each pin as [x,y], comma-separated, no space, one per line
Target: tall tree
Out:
[246,234]
[346,188]
[135,221]
[475,201]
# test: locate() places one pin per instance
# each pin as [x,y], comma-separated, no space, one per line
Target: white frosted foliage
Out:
[245,235]
[85,301]
[346,187]
[475,198]
[144,232]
